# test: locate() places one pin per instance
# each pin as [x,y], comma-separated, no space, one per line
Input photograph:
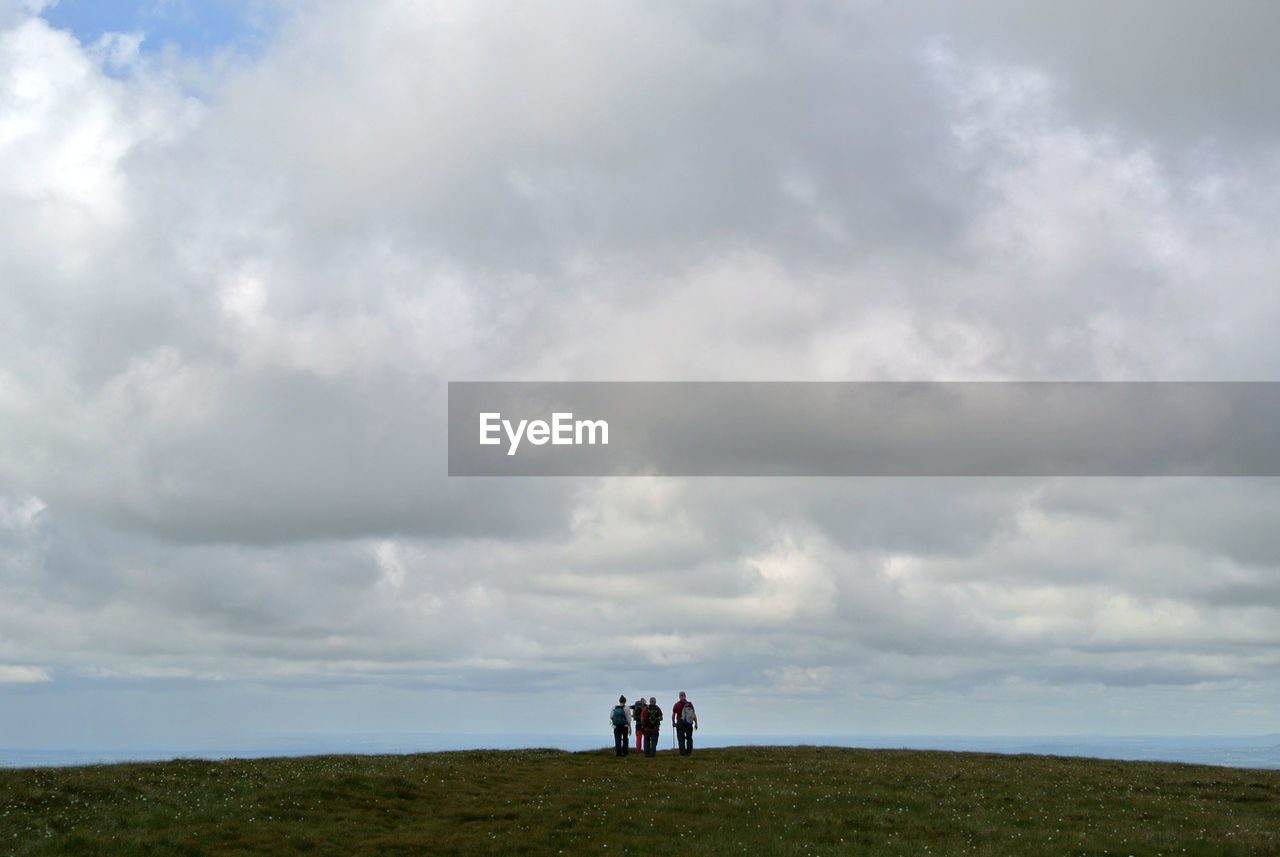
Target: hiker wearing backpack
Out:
[652,723]
[637,717]
[685,720]
[620,718]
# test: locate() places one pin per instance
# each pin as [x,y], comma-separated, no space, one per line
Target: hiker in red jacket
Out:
[685,720]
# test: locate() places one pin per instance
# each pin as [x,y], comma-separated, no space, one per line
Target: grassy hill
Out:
[808,801]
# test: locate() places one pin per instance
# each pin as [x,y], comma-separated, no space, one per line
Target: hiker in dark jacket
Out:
[620,718]
[652,723]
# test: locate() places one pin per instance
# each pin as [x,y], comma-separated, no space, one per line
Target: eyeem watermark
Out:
[864,429]
[563,430]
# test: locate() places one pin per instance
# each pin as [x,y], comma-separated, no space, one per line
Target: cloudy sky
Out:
[245,245]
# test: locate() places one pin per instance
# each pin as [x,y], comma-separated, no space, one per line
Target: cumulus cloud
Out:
[229,313]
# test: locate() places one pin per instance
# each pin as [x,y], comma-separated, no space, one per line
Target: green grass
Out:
[806,801]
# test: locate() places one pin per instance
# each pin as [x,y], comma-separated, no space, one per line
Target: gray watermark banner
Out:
[864,428]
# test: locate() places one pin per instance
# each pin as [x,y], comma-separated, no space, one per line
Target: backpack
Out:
[652,716]
[686,712]
[619,716]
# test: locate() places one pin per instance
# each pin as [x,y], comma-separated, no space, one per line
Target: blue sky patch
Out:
[195,27]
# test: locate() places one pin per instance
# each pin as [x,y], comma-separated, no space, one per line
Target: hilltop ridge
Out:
[734,800]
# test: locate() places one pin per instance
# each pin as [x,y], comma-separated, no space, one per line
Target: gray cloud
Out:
[1187,70]
[636,138]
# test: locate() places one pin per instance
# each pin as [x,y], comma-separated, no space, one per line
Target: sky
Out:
[244,247]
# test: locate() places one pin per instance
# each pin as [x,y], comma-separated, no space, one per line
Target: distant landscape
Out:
[799,800]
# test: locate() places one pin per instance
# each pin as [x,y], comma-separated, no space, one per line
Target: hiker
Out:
[637,717]
[652,723]
[620,717]
[685,720]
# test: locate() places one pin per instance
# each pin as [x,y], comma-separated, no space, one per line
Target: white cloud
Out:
[10,674]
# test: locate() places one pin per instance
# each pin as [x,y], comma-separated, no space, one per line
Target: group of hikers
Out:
[647,719]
